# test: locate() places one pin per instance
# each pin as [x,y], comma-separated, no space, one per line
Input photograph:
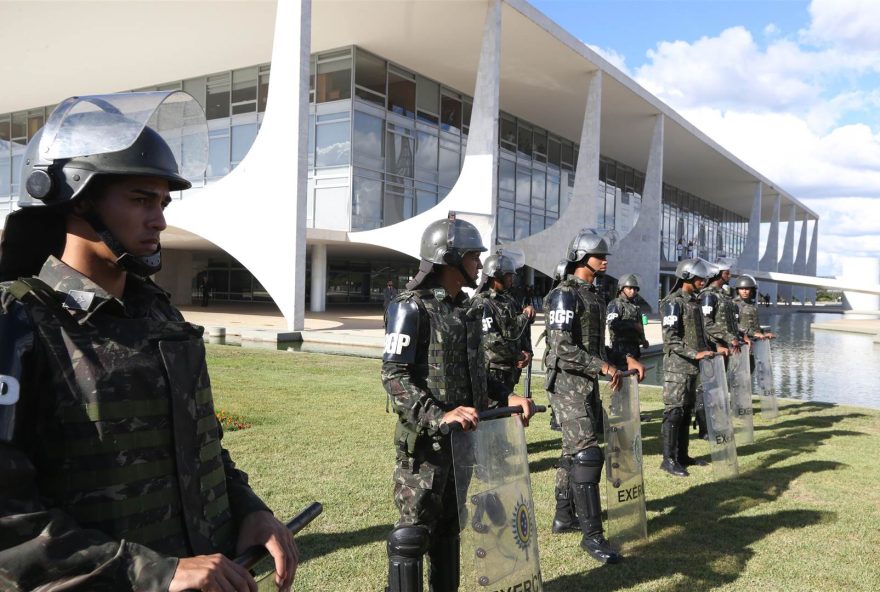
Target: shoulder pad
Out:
[561,305]
[670,310]
[401,331]
[708,302]
[490,323]
[612,312]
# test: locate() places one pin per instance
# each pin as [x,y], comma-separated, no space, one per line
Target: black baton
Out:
[496,413]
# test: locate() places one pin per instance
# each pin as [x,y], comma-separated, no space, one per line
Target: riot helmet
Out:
[746,281]
[595,242]
[691,269]
[630,280]
[444,242]
[153,134]
[497,266]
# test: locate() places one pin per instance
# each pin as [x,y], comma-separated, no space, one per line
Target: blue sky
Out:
[792,87]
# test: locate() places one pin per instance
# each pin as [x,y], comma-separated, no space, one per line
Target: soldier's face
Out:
[133,210]
[699,283]
[630,293]
[725,276]
[472,264]
[744,293]
[599,263]
[507,281]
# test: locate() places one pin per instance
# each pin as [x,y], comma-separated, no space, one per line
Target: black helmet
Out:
[690,269]
[498,265]
[630,280]
[445,241]
[152,134]
[589,241]
[746,281]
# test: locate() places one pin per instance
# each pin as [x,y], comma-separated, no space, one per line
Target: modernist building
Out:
[333,145]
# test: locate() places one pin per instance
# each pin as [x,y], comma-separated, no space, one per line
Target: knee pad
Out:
[587,465]
[408,541]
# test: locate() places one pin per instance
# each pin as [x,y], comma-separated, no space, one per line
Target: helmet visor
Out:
[102,124]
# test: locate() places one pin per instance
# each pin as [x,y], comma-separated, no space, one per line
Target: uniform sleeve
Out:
[673,331]
[495,346]
[42,545]
[622,327]
[715,330]
[406,331]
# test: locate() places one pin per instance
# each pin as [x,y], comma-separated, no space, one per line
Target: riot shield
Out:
[739,383]
[764,378]
[624,484]
[499,542]
[721,440]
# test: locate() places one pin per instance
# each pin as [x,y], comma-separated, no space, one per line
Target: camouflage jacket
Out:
[576,350]
[748,317]
[683,332]
[624,319]
[720,316]
[120,469]
[411,372]
[505,329]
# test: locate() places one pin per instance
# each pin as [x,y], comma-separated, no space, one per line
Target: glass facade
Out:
[385,143]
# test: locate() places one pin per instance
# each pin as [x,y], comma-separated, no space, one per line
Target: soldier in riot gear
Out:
[684,345]
[746,288]
[558,276]
[506,336]
[720,321]
[432,322]
[114,476]
[625,322]
[575,357]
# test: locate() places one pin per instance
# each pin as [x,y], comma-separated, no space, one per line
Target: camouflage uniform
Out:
[748,317]
[683,336]
[437,367]
[720,316]
[626,331]
[505,334]
[121,469]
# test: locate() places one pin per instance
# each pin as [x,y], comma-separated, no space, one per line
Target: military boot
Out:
[445,569]
[669,433]
[565,519]
[684,440]
[585,475]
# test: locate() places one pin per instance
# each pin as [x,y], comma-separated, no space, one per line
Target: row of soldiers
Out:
[447,357]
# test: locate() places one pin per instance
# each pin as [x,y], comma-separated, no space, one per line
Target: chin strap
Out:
[142,266]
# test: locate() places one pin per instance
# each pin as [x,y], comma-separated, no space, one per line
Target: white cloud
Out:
[616,59]
[849,24]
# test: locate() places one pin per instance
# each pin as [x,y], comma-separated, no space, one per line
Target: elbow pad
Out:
[16,339]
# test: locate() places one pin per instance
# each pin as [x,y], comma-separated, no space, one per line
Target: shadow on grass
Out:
[318,544]
[698,535]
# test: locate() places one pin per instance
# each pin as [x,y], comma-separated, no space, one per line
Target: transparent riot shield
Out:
[764,378]
[721,440]
[624,484]
[499,542]
[739,383]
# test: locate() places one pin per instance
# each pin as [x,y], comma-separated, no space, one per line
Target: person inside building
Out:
[684,345]
[432,320]
[114,474]
[575,357]
[506,335]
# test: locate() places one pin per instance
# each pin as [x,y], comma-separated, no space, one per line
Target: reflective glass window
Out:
[552,191]
[243,137]
[450,114]
[332,144]
[399,154]
[401,93]
[244,89]
[567,154]
[311,143]
[539,142]
[34,123]
[217,99]
[19,126]
[263,88]
[553,151]
[366,204]
[196,87]
[425,199]
[506,180]
[370,77]
[368,137]
[466,109]
[538,188]
[523,185]
[537,224]
[398,203]
[520,225]
[333,80]
[505,224]
[218,153]
[427,159]
[428,99]
[524,139]
[449,162]
[508,133]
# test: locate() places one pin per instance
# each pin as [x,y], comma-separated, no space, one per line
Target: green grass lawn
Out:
[804,514]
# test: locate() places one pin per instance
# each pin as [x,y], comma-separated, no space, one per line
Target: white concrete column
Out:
[810,293]
[748,259]
[251,195]
[639,251]
[800,261]
[473,196]
[770,260]
[786,262]
[545,249]
[318,300]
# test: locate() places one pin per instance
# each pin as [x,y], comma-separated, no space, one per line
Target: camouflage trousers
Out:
[680,390]
[424,490]
[508,378]
[579,414]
